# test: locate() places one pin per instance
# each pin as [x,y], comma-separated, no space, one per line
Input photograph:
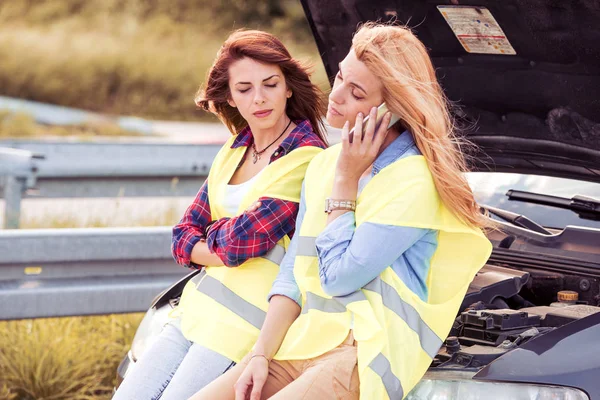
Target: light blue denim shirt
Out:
[351,257]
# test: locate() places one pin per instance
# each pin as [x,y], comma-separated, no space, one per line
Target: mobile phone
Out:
[381,110]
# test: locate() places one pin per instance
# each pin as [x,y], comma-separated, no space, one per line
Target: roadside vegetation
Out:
[73,358]
[131,57]
[23,126]
[105,216]
[63,358]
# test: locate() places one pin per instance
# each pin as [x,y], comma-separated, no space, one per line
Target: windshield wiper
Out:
[585,207]
[517,220]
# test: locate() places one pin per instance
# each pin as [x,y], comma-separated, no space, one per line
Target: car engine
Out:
[506,307]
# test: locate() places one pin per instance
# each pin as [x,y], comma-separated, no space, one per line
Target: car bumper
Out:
[123,368]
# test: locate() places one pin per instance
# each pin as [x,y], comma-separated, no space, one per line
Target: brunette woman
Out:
[265,97]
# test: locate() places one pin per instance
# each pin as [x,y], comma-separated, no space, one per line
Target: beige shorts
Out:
[333,375]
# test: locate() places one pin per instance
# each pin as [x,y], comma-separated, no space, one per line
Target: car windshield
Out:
[490,188]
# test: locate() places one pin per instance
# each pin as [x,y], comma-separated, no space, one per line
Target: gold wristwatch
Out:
[335,205]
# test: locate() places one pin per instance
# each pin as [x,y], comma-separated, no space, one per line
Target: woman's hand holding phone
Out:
[360,149]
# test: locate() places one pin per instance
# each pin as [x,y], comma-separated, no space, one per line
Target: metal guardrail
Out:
[16,176]
[52,114]
[71,170]
[68,272]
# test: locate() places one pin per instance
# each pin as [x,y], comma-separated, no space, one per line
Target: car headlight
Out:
[149,329]
[450,385]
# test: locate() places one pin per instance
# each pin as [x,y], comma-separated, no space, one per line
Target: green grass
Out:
[63,358]
[131,57]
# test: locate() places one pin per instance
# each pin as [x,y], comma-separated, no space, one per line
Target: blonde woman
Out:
[369,288]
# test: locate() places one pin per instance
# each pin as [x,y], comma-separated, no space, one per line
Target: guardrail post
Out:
[14,188]
[17,174]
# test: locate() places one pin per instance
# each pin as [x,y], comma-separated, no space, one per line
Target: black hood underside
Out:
[534,112]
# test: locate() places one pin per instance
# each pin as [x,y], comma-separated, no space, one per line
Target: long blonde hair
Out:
[412,91]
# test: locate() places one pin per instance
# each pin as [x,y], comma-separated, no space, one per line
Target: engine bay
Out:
[506,307]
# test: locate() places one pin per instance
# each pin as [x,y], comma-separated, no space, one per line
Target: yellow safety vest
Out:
[397,333]
[224,308]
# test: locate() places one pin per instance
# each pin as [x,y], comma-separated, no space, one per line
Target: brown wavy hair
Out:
[307,101]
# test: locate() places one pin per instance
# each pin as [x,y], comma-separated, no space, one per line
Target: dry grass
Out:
[72,358]
[21,125]
[63,358]
[68,358]
[164,215]
[130,57]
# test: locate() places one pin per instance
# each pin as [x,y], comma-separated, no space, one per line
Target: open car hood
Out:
[535,111]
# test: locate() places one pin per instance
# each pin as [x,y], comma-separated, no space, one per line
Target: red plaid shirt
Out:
[248,235]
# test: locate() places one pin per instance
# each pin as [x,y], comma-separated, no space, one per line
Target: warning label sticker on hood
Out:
[477,30]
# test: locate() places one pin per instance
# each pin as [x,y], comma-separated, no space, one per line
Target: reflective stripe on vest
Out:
[333,305]
[430,342]
[276,254]
[382,367]
[307,246]
[316,302]
[220,293]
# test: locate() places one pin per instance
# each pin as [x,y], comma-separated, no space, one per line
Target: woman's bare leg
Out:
[222,387]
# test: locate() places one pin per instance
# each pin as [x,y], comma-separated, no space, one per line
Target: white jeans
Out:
[173,368]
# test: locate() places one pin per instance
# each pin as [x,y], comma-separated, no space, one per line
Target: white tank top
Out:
[235,193]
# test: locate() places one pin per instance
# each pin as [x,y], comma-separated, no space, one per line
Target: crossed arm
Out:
[198,240]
